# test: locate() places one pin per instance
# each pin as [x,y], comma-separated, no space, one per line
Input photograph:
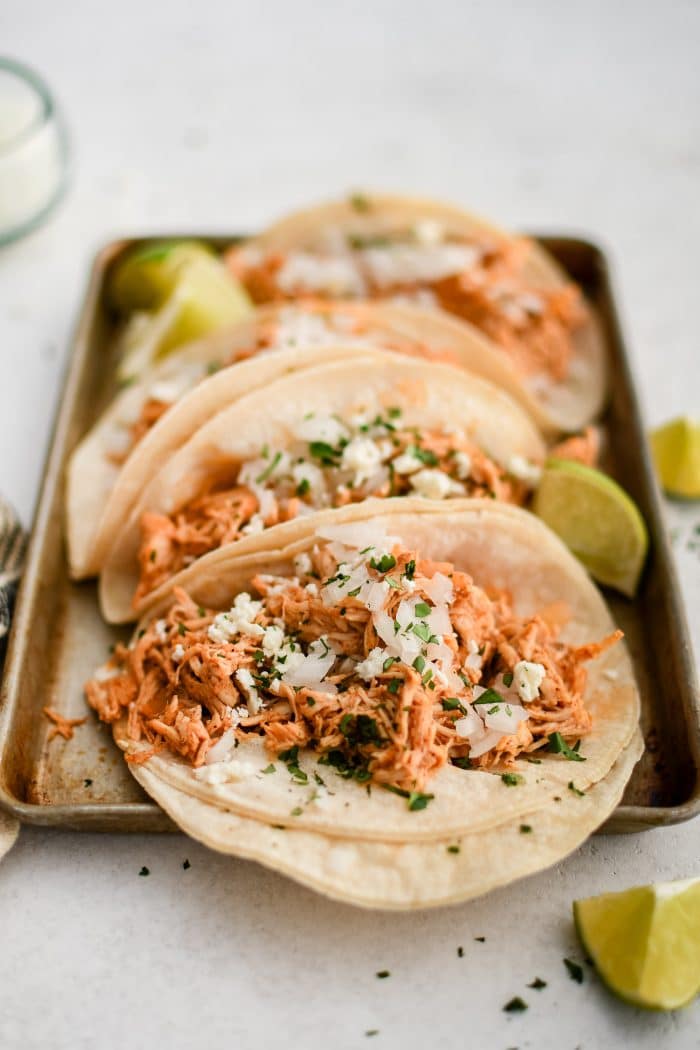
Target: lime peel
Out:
[596,519]
[675,447]
[645,942]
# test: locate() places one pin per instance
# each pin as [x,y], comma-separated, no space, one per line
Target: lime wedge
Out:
[596,519]
[146,276]
[204,298]
[676,450]
[645,942]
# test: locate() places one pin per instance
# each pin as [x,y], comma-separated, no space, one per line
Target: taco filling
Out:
[480,280]
[330,464]
[291,327]
[386,664]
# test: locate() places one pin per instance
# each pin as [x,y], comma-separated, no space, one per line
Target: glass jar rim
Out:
[41,90]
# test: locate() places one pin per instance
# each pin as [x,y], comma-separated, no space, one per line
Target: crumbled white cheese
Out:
[418,263]
[273,640]
[528,677]
[372,665]
[522,469]
[463,463]
[238,620]
[161,629]
[431,483]
[406,464]
[226,772]
[362,456]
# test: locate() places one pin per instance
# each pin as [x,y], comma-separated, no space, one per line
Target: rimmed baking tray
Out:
[58,637]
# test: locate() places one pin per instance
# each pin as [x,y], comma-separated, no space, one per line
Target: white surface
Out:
[220,116]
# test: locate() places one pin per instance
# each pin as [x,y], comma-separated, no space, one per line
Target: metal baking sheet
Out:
[58,637]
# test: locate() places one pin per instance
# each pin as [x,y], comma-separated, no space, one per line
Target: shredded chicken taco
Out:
[405,676]
[155,414]
[543,336]
[375,424]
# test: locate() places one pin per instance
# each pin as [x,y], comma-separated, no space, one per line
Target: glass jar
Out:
[33,151]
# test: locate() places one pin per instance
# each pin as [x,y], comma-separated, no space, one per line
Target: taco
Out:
[153,416]
[371,424]
[442,258]
[399,680]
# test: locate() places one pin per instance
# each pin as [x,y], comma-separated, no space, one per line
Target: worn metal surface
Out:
[58,637]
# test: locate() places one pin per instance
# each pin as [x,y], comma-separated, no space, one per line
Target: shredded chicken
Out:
[182,684]
[62,727]
[225,512]
[534,326]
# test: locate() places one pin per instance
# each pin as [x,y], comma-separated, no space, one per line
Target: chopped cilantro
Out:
[392,583]
[360,729]
[201,611]
[269,469]
[417,800]
[354,593]
[453,849]
[538,984]
[388,663]
[269,769]
[382,974]
[423,454]
[419,663]
[386,562]
[462,762]
[394,412]
[508,678]
[512,779]
[325,452]
[181,629]
[303,487]
[576,791]
[319,780]
[575,970]
[422,631]
[451,703]
[290,755]
[394,685]
[533,761]
[144,871]
[559,746]
[515,1005]
[490,696]
[410,570]
[297,811]
[525,829]
[422,609]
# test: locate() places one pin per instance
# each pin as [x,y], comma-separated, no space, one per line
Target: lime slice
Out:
[645,942]
[596,519]
[204,298]
[676,450]
[145,277]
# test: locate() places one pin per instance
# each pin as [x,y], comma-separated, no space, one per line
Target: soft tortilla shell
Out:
[430,394]
[501,547]
[404,876]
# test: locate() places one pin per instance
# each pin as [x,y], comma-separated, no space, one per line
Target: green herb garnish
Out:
[559,746]
[576,791]
[386,562]
[269,469]
[512,779]
[575,970]
[269,769]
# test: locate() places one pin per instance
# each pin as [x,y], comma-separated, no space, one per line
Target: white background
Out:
[219,116]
